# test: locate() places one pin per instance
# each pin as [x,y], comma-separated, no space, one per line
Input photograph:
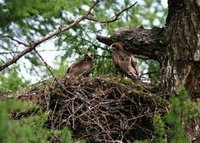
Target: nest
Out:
[100,109]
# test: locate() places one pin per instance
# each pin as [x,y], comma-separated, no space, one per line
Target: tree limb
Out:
[94,45]
[114,18]
[47,66]
[16,40]
[140,41]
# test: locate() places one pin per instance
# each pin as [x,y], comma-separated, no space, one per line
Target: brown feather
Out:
[124,61]
[81,67]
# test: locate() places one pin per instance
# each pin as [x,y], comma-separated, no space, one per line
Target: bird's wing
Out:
[80,67]
[133,61]
[125,63]
[134,64]
[86,67]
[74,65]
[121,60]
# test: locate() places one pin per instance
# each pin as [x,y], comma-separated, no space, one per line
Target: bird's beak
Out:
[91,55]
[111,47]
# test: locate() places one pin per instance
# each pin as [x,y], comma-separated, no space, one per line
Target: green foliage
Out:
[11,81]
[12,131]
[152,69]
[36,18]
[170,127]
[159,126]
[144,141]
[60,71]
[181,111]
[66,136]
[30,129]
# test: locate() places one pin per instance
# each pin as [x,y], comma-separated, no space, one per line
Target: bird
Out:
[124,61]
[82,67]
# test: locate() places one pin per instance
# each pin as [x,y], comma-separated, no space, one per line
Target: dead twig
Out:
[47,66]
[16,40]
[112,19]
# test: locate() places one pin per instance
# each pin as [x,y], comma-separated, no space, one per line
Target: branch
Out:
[139,41]
[95,46]
[47,66]
[16,40]
[104,39]
[114,18]
[31,46]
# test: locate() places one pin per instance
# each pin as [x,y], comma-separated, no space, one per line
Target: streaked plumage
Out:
[81,67]
[124,61]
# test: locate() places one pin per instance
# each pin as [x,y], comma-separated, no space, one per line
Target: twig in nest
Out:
[107,117]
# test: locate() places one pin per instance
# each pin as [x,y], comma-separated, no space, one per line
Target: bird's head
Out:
[116,46]
[88,56]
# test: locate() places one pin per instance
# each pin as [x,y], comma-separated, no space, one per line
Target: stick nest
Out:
[100,109]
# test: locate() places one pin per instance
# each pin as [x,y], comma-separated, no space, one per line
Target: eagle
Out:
[124,61]
[82,67]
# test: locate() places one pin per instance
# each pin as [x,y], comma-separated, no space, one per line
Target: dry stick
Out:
[106,49]
[32,45]
[53,113]
[16,52]
[49,69]
[73,121]
[114,18]
[47,66]
[16,40]
[105,130]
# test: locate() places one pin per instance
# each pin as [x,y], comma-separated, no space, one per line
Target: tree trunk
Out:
[176,46]
[180,61]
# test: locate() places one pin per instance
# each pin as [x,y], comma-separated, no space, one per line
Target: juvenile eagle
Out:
[81,67]
[124,61]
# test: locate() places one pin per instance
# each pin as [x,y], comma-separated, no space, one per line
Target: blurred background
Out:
[28,20]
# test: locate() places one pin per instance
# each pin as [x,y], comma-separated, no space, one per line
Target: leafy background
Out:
[28,20]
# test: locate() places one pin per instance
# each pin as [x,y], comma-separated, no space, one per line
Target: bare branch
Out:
[94,45]
[16,40]
[112,19]
[47,66]
[104,39]
[49,69]
[140,41]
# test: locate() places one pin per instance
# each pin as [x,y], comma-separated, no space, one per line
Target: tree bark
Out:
[176,46]
[180,64]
